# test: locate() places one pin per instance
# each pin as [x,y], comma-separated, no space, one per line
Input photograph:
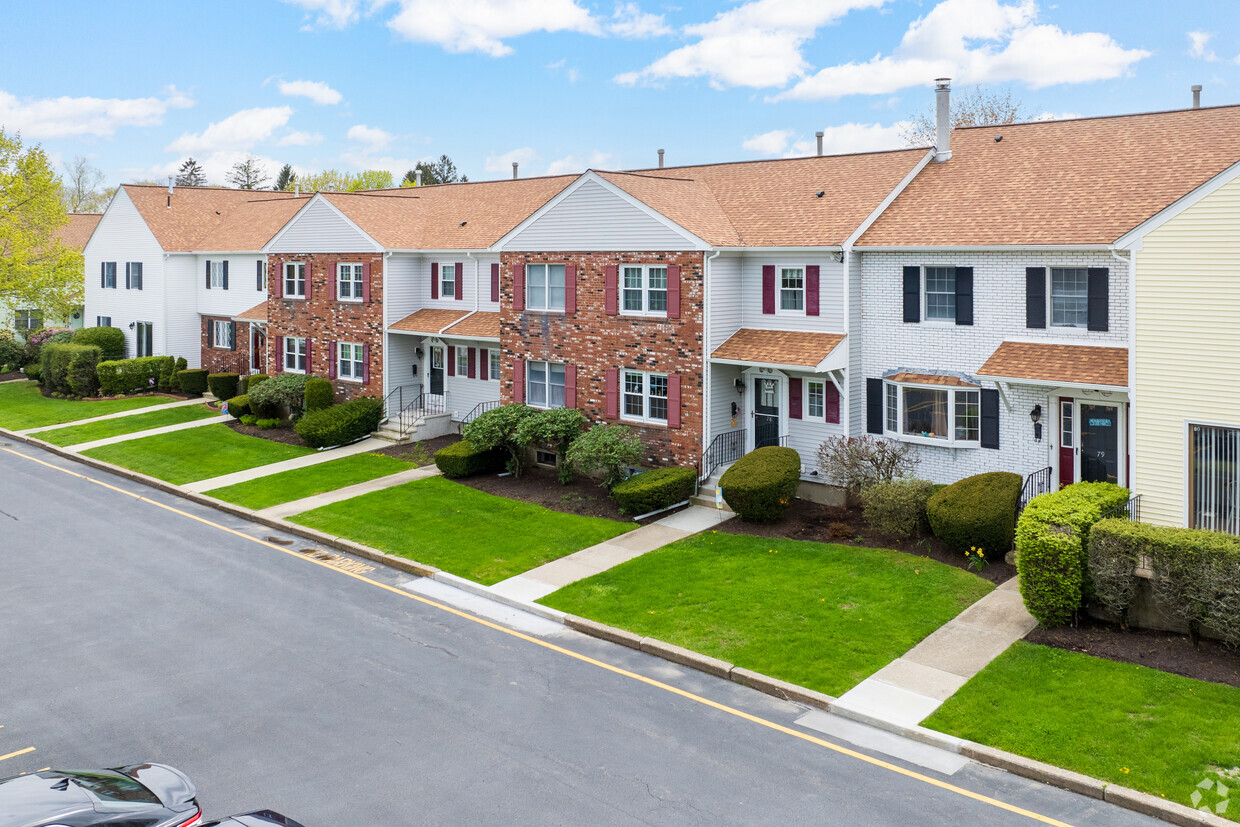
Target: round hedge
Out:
[460,459]
[759,485]
[977,512]
[655,489]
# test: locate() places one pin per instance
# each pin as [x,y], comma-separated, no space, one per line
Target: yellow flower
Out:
[981,554]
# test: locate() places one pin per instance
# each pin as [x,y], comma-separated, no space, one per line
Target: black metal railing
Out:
[479,409]
[724,448]
[398,395]
[1039,482]
[1130,510]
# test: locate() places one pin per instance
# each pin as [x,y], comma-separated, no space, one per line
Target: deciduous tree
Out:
[248,174]
[83,189]
[970,107]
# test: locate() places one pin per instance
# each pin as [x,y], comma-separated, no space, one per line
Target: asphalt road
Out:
[136,632]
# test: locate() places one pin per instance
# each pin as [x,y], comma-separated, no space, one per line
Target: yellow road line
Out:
[877,762]
[15,754]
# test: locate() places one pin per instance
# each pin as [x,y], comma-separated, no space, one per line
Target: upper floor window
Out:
[107,274]
[218,275]
[133,275]
[350,361]
[644,289]
[544,384]
[941,294]
[1069,297]
[447,281]
[294,280]
[294,354]
[544,286]
[791,290]
[644,396]
[947,415]
[27,321]
[349,282]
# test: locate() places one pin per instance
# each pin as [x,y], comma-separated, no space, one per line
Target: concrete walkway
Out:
[148,409]
[911,687]
[368,444]
[166,429]
[347,493]
[545,579]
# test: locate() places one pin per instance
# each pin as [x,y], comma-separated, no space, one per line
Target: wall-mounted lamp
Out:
[132,325]
[1036,416]
[740,385]
[417,351]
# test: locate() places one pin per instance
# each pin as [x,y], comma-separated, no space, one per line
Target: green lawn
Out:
[459,529]
[817,615]
[1130,725]
[77,434]
[22,406]
[306,482]
[196,454]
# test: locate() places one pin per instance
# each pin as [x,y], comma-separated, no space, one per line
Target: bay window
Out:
[937,414]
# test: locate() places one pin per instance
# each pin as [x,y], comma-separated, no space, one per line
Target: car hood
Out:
[29,799]
[174,790]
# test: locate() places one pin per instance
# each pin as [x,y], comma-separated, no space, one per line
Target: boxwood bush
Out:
[461,459]
[223,385]
[129,375]
[109,340]
[70,369]
[286,390]
[655,489]
[239,406]
[340,424]
[34,372]
[759,485]
[977,512]
[897,507]
[193,382]
[319,394]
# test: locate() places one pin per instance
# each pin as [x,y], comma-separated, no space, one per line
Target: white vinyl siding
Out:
[592,217]
[320,229]
[831,288]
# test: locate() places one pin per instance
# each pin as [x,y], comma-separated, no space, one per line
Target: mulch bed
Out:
[541,486]
[422,449]
[284,434]
[13,374]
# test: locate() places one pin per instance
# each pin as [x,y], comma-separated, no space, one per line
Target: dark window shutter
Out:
[768,289]
[460,282]
[570,384]
[495,281]
[333,284]
[912,294]
[309,358]
[276,282]
[309,284]
[472,365]
[366,364]
[833,403]
[232,335]
[673,400]
[103,274]
[874,406]
[673,291]
[225,267]
[811,290]
[964,295]
[518,287]
[127,274]
[794,398]
[1035,297]
[333,353]
[434,280]
[518,381]
[611,396]
[484,364]
[611,287]
[258,275]
[208,275]
[279,366]
[990,418]
[366,281]
[570,288]
[452,360]
[1099,299]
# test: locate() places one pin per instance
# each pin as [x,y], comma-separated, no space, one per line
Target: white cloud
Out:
[483,25]
[315,90]
[631,22]
[1058,116]
[1199,46]
[300,139]
[503,163]
[570,72]
[328,14]
[755,44]
[976,41]
[852,137]
[236,133]
[375,139]
[575,163]
[64,117]
[768,143]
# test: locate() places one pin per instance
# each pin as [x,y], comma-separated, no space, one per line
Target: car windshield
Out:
[111,787]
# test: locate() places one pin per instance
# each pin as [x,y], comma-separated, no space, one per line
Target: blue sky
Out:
[562,85]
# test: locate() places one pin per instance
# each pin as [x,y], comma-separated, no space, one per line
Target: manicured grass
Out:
[1130,725]
[306,482]
[459,529]
[818,615]
[77,434]
[22,406]
[196,454]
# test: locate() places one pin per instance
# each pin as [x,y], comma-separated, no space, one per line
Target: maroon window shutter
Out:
[366,281]
[332,279]
[309,285]
[473,362]
[794,398]
[570,386]
[673,400]
[309,356]
[276,284]
[365,364]
[495,281]
[811,290]
[611,278]
[484,364]
[279,366]
[570,288]
[452,360]
[673,291]
[518,287]
[331,360]
[460,281]
[768,288]
[518,381]
[833,403]
[612,396]
[434,280]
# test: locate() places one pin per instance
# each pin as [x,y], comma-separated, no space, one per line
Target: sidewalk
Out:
[148,409]
[288,509]
[368,444]
[166,429]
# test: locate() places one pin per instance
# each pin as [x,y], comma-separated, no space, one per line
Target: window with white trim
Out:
[350,361]
[1069,297]
[349,282]
[643,289]
[447,281]
[493,358]
[544,286]
[544,384]
[27,321]
[260,276]
[791,290]
[815,400]
[221,335]
[103,321]
[644,396]
[462,361]
[940,294]
[217,275]
[294,354]
[294,280]
[135,274]
[1214,478]
[934,413]
[109,274]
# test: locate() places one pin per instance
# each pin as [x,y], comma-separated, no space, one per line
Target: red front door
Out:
[1067,442]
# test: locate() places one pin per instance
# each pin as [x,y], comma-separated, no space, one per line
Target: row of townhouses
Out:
[1054,298]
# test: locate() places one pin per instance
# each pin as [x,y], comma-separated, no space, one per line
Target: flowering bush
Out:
[858,463]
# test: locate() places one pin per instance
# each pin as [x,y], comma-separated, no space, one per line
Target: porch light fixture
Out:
[1036,416]
[132,325]
[740,385]
[417,351]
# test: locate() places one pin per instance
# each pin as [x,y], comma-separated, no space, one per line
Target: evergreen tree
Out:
[286,179]
[191,174]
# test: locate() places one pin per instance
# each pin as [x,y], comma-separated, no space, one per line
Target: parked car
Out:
[140,795]
[258,818]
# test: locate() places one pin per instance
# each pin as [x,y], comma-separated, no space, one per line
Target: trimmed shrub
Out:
[223,385]
[1052,537]
[267,424]
[11,350]
[856,463]
[501,428]
[109,340]
[175,383]
[249,419]
[33,372]
[759,485]
[461,459]
[977,512]
[193,382]
[239,406]
[128,375]
[70,369]
[319,394]
[340,424]
[286,390]
[655,489]
[897,507]
[255,379]
[609,450]
[167,373]
[32,351]
[556,428]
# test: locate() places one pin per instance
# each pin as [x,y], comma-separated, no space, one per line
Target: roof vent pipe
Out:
[660,159]
[818,135]
[170,180]
[1196,95]
[417,177]
[943,119]
[514,170]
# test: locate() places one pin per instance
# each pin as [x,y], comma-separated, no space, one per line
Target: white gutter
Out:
[983,248]
[706,388]
[1131,266]
[848,331]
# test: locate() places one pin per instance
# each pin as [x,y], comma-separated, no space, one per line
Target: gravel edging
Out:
[1124,797]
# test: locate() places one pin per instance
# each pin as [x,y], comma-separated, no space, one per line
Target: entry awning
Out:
[792,349]
[461,324]
[1044,363]
[255,315]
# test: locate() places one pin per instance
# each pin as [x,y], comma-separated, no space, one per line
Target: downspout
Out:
[383,341]
[706,387]
[1131,419]
[848,340]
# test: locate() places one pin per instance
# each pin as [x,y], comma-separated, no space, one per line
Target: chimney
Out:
[1196,96]
[818,135]
[170,182]
[514,170]
[943,119]
[417,177]
[660,159]
[296,189]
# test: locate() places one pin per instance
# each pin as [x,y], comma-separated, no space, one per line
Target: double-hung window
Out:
[948,415]
[544,287]
[103,321]
[493,358]
[349,282]
[816,400]
[217,275]
[544,384]
[108,277]
[350,364]
[27,321]
[462,361]
[294,280]
[644,289]
[294,354]
[222,334]
[644,396]
[941,294]
[134,271]
[791,289]
[1069,297]
[447,281]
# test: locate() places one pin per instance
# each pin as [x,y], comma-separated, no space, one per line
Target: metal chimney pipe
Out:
[417,176]
[1196,95]
[943,119]
[514,170]
[818,135]
[171,179]
[660,159]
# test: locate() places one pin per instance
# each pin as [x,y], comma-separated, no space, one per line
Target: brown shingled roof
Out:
[1085,181]
[198,212]
[428,320]
[249,226]
[257,313]
[481,325]
[77,232]
[932,379]
[1051,363]
[778,347]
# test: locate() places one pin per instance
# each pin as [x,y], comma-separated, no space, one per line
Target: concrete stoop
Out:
[706,493]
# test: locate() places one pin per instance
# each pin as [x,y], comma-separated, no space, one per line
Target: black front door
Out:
[437,371]
[765,412]
[1099,443]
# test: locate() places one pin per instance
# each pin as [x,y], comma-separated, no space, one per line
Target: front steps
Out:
[427,426]
[706,492]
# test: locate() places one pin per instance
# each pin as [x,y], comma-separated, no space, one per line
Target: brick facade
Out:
[226,360]
[595,342]
[322,320]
